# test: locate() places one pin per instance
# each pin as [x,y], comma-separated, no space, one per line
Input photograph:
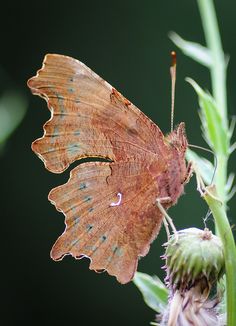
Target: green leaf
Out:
[205,167]
[154,292]
[12,110]
[214,131]
[193,50]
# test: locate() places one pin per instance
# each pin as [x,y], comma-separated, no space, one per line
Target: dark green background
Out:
[126,43]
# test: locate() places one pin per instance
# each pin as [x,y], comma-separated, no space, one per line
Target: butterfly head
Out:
[177,138]
[177,164]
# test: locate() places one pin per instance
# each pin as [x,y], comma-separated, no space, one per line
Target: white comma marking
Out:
[119,195]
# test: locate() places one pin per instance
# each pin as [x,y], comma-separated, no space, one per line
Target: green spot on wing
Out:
[77,220]
[82,186]
[60,103]
[117,250]
[73,149]
[54,134]
[87,198]
[74,242]
[91,248]
[89,227]
[103,238]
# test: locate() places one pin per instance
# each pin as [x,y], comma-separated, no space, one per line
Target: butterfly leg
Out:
[167,219]
[189,172]
[201,187]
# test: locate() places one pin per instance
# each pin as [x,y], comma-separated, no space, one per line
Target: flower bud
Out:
[194,263]
[193,255]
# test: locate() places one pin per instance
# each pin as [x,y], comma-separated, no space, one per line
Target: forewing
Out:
[111,215]
[88,117]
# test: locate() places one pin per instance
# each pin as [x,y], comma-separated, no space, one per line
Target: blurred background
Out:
[126,43]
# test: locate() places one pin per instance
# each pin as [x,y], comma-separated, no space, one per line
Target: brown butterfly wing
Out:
[88,117]
[112,236]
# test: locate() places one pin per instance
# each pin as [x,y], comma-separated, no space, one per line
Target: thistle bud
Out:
[194,263]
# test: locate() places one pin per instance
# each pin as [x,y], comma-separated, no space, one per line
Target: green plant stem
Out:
[227,239]
[218,77]
[221,177]
[218,67]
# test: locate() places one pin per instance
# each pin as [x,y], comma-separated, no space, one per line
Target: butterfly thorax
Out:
[171,181]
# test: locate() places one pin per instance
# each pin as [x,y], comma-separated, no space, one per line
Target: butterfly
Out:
[110,209]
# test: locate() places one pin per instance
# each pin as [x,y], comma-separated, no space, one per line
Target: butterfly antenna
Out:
[209,151]
[173,80]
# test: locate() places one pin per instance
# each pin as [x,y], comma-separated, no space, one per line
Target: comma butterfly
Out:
[110,207]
